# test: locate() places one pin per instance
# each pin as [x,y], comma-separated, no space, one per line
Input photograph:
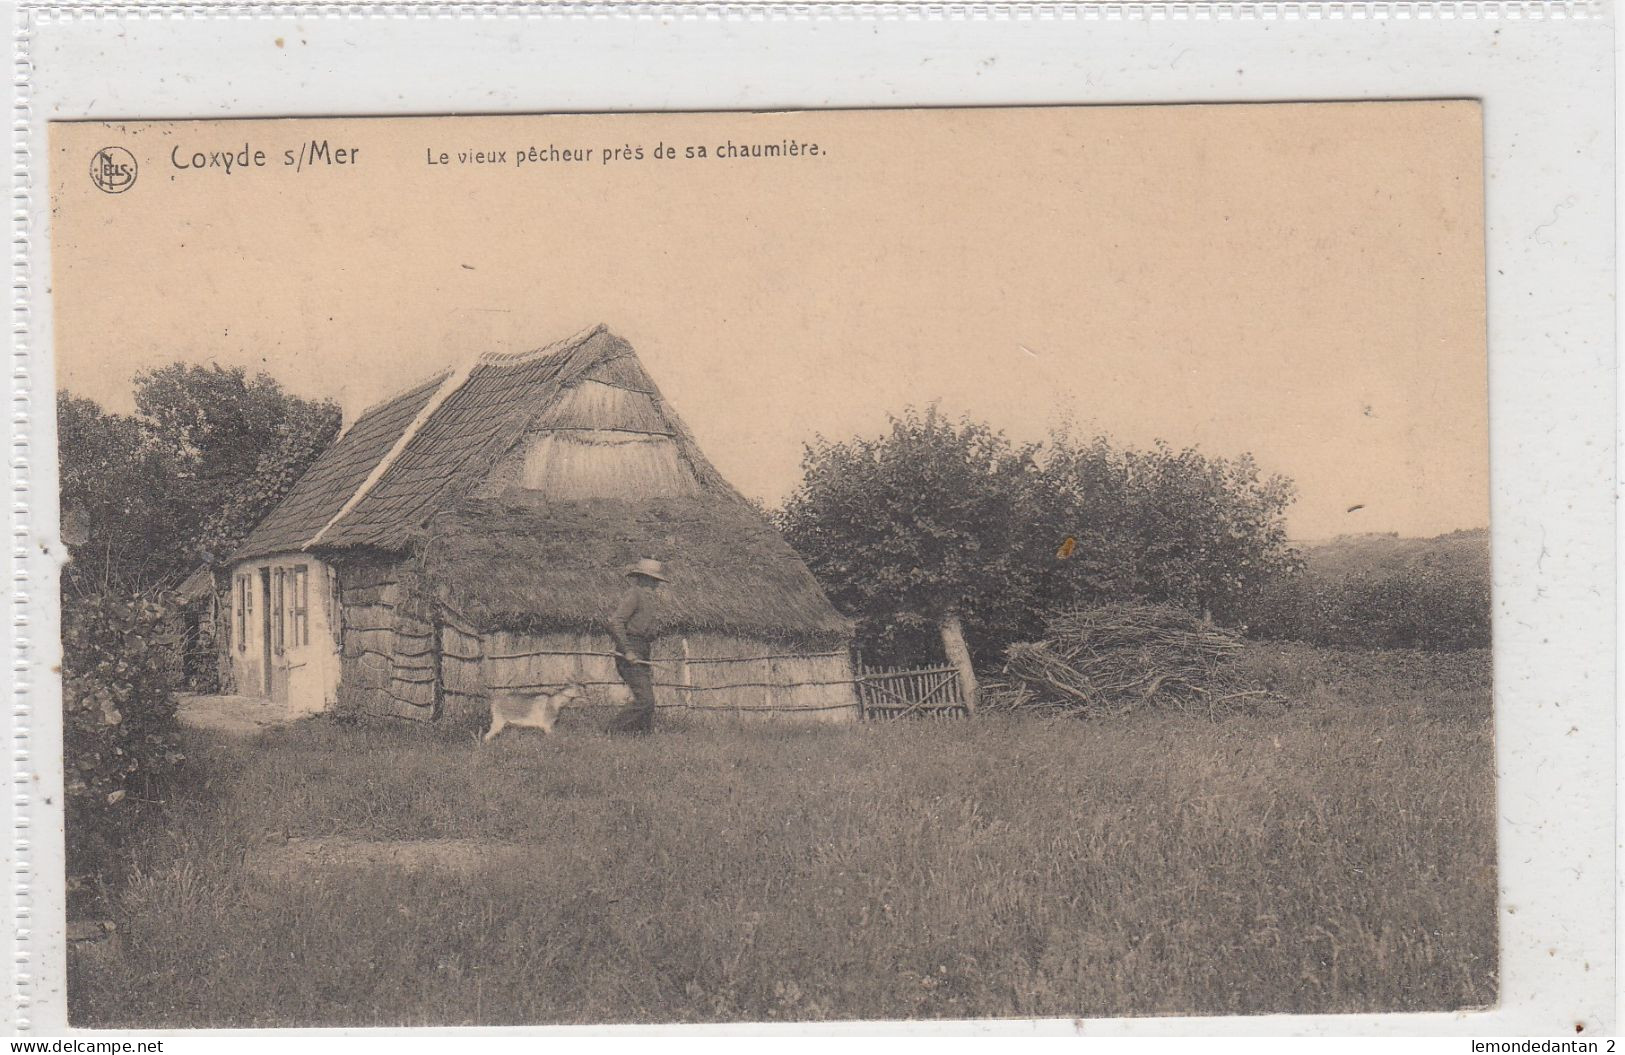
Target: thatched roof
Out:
[427,449]
[550,469]
[525,569]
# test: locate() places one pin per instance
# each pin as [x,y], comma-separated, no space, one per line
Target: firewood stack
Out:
[1099,662]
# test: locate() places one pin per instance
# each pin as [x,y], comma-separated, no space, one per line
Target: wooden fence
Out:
[899,692]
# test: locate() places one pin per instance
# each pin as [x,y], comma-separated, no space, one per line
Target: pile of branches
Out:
[1098,662]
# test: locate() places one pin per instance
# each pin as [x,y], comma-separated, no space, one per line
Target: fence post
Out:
[953,642]
[437,662]
[685,677]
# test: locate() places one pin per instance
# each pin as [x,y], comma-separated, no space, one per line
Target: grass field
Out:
[1338,857]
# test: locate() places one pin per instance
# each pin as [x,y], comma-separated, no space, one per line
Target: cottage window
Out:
[299,604]
[278,607]
[244,603]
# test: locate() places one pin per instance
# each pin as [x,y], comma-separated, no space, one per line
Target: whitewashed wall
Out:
[305,669]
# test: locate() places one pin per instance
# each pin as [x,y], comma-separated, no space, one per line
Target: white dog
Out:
[536,710]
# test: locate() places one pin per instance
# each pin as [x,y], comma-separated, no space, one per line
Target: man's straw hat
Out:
[648,567]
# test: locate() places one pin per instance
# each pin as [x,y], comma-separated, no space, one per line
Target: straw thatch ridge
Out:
[557,567]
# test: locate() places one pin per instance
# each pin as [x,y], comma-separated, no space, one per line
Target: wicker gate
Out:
[921,692]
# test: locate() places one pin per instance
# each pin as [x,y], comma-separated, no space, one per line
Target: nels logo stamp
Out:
[113,170]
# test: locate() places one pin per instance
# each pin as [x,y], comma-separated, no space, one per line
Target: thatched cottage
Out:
[469,534]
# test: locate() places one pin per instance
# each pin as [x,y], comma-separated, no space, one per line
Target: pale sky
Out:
[1304,282]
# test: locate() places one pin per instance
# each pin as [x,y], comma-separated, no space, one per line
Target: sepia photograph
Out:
[803,566]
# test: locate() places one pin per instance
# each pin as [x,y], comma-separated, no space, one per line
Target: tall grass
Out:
[1337,858]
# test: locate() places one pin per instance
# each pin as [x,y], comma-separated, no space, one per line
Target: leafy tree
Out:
[208,453]
[214,420]
[1208,533]
[949,527]
[1085,491]
[924,531]
[119,513]
[1170,526]
[239,444]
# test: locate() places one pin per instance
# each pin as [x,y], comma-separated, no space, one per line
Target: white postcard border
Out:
[1543,71]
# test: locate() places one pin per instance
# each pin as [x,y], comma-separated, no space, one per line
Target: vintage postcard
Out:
[796,566]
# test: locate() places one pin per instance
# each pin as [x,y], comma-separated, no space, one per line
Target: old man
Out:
[633,628]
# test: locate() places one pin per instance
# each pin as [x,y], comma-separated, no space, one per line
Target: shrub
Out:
[118,717]
[940,523]
[924,533]
[1384,592]
[210,452]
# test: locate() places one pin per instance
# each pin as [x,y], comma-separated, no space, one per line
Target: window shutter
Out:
[279,608]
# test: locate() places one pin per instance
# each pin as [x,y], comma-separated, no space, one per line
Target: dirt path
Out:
[230,715]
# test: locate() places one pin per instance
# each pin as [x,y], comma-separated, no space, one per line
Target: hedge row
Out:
[1432,595]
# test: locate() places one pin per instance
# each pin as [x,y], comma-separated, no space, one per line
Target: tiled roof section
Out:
[330,482]
[455,448]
